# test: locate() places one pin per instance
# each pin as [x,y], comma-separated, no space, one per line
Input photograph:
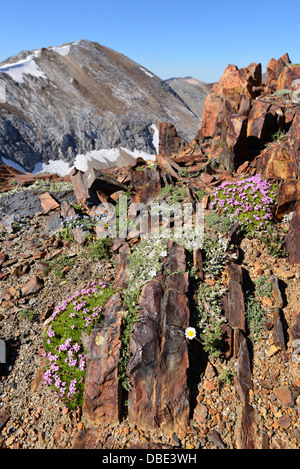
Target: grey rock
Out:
[215,438]
[25,203]
[2,351]
[54,222]
[192,92]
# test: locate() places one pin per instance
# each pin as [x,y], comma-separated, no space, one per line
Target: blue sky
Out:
[170,38]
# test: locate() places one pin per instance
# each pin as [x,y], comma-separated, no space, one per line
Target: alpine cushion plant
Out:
[82,222]
[249,201]
[65,341]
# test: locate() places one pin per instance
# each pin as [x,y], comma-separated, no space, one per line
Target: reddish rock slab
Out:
[146,185]
[66,210]
[275,67]
[278,331]
[234,138]
[292,240]
[80,235]
[159,395]
[276,292]
[77,179]
[28,179]
[261,124]
[200,413]
[284,421]
[246,428]
[7,177]
[285,396]
[289,78]
[102,393]
[243,379]
[169,141]
[210,118]
[2,258]
[235,81]
[288,194]
[122,263]
[48,202]
[234,308]
[33,286]
[4,416]
[295,328]
[215,438]
[88,438]
[279,161]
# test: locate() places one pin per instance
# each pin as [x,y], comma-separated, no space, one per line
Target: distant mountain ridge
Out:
[192,91]
[83,98]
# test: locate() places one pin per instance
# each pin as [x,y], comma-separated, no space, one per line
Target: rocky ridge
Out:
[192,91]
[81,97]
[180,394]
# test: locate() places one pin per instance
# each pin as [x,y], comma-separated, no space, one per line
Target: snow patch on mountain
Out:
[108,157]
[146,72]
[155,137]
[23,67]
[61,50]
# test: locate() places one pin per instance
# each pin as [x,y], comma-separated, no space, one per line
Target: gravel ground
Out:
[31,418]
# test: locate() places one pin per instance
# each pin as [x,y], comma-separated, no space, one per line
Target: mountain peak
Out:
[68,100]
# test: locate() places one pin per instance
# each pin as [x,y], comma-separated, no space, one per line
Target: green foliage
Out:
[66,233]
[100,249]
[255,316]
[64,343]
[274,242]
[279,136]
[28,314]
[284,92]
[220,223]
[51,186]
[263,287]
[210,318]
[184,173]
[172,194]
[19,224]
[200,193]
[78,206]
[58,264]
[82,222]
[42,186]
[214,250]
[227,376]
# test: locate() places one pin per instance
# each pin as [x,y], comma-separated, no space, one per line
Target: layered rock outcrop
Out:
[245,113]
[159,395]
[158,368]
[102,396]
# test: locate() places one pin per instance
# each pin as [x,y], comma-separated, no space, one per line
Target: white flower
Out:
[190,333]
[152,273]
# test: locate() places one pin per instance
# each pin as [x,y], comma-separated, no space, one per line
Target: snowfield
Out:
[26,66]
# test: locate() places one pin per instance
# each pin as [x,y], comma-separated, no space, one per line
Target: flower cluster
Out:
[64,341]
[18,223]
[84,222]
[248,200]
[145,261]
